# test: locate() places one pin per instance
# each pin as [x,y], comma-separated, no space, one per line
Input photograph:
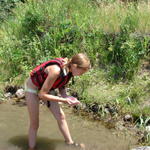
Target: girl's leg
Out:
[33,108]
[61,120]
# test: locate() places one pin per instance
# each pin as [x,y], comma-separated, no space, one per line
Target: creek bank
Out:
[109,115]
[112,117]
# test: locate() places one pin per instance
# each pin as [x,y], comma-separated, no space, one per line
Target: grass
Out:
[132,96]
[107,18]
[62,28]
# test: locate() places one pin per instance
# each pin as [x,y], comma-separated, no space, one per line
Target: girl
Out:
[45,78]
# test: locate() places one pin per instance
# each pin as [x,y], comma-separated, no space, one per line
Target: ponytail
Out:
[80,59]
[66,62]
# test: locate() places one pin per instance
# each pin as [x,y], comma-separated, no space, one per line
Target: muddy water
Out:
[14,127]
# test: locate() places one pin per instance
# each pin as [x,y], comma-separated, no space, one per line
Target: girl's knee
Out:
[61,117]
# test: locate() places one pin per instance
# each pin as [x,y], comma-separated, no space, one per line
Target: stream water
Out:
[14,123]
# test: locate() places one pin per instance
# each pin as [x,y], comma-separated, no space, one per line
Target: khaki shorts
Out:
[30,87]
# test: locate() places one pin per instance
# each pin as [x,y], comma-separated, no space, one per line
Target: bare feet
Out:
[80,145]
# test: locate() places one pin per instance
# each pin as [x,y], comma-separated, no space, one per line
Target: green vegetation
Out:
[107,32]
[6,7]
[130,95]
[115,35]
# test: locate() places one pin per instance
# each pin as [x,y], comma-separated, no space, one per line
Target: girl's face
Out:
[77,71]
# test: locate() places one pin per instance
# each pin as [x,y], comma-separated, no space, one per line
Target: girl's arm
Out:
[63,93]
[53,74]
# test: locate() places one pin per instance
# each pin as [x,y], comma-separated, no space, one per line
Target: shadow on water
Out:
[42,142]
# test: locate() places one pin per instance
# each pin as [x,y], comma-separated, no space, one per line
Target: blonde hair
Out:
[80,59]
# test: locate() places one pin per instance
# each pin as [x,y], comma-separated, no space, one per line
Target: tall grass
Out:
[106,32]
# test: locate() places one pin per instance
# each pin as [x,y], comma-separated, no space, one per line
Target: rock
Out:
[76,107]
[119,125]
[111,108]
[147,128]
[87,108]
[8,95]
[110,123]
[128,118]
[143,137]
[94,107]
[16,100]
[11,89]
[142,148]
[83,106]
[106,110]
[20,93]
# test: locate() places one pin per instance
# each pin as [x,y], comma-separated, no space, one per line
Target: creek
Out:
[14,123]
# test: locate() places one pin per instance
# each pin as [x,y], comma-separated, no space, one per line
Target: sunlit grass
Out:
[104,17]
[132,96]
[57,18]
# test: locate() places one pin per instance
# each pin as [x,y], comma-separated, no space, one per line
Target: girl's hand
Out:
[72,100]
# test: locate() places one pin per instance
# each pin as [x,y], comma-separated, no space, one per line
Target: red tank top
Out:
[38,76]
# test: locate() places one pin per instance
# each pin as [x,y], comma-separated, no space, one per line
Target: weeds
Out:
[60,29]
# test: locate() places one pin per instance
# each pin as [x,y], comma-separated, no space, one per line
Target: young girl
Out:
[46,77]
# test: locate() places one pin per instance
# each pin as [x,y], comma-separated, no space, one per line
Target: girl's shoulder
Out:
[53,69]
